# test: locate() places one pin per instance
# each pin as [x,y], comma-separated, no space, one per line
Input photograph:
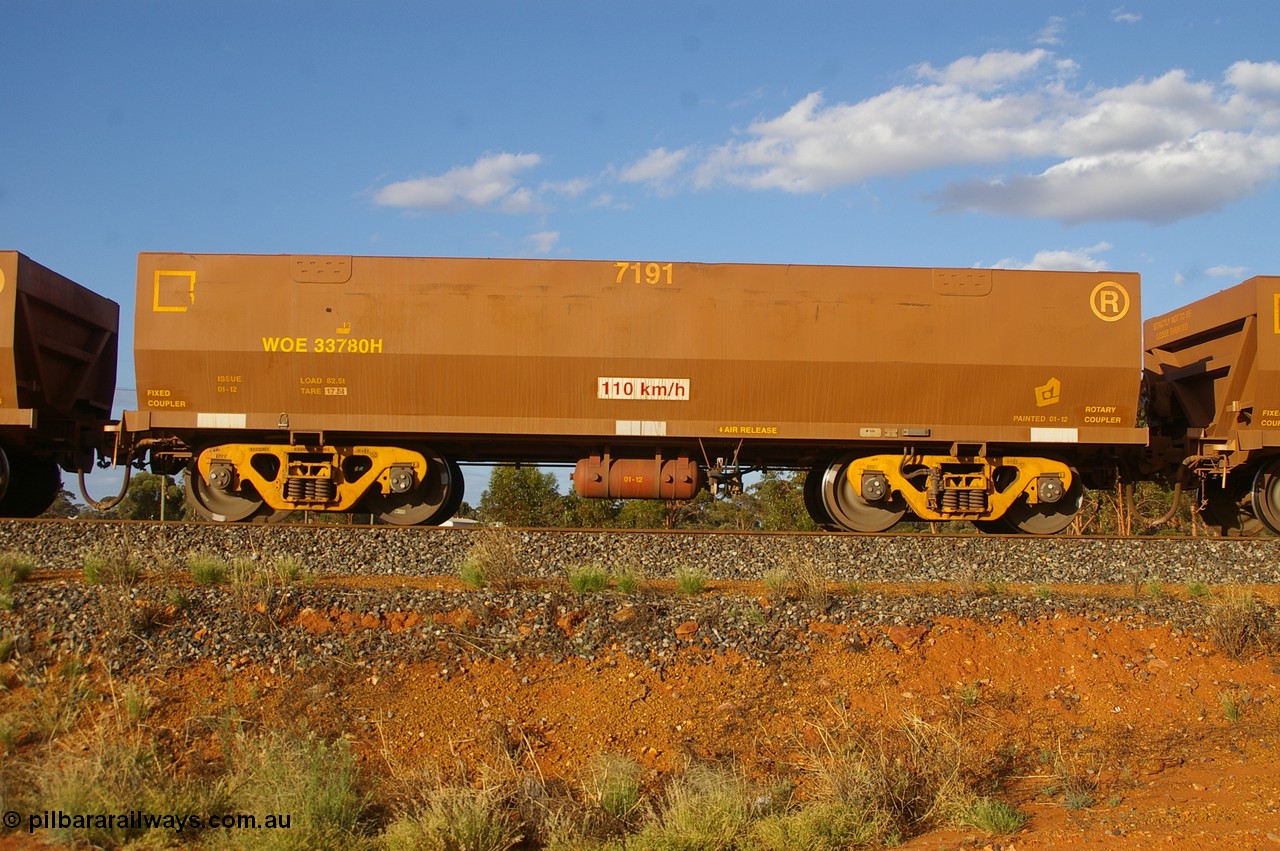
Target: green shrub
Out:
[589,579]
[15,567]
[993,816]
[207,569]
[111,566]
[690,580]
[817,826]
[627,581]
[455,819]
[614,785]
[491,562]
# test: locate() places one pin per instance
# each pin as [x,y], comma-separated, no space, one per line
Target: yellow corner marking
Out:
[1276,310]
[162,275]
[1049,393]
[1109,301]
[2,285]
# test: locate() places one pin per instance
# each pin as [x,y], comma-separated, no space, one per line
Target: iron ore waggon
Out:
[343,383]
[57,378]
[1213,396]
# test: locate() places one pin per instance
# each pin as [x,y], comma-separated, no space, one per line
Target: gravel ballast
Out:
[166,620]
[392,551]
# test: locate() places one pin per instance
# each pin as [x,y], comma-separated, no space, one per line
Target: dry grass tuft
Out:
[1240,624]
[492,562]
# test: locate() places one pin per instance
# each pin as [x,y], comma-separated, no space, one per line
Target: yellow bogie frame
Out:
[947,487]
[311,477]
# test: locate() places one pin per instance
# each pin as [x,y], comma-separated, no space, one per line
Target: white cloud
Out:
[488,181]
[569,188]
[1236,273]
[987,71]
[657,166]
[520,200]
[1124,16]
[1163,184]
[1052,32]
[1068,260]
[1154,150]
[544,241]
[608,201]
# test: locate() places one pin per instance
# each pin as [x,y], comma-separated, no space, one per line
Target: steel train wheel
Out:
[31,483]
[813,499]
[1046,518]
[1222,509]
[457,490]
[1266,494]
[851,512]
[429,502]
[220,506]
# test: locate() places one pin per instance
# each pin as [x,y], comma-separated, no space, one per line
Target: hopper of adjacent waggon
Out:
[57,379]
[1213,387]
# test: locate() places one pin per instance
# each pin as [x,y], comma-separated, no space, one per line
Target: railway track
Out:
[333,550]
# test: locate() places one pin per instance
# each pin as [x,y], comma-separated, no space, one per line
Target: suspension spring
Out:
[299,489]
[951,499]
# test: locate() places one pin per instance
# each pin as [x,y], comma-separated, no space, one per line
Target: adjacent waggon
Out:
[335,383]
[1213,378]
[57,378]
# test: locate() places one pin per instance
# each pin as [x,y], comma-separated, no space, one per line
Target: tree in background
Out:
[526,496]
[522,496]
[142,500]
[64,506]
[780,502]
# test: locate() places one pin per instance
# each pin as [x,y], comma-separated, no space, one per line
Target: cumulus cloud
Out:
[1235,273]
[1068,260]
[990,70]
[1052,32]
[1153,150]
[657,166]
[491,180]
[544,241]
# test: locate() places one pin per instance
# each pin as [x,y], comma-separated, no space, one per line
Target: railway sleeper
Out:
[294,477]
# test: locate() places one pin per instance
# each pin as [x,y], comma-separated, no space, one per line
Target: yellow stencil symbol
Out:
[1109,301]
[1049,393]
[174,291]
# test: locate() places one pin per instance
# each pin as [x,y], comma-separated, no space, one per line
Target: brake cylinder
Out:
[604,477]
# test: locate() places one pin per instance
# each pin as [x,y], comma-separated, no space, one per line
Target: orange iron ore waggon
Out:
[57,379]
[1213,398]
[335,383]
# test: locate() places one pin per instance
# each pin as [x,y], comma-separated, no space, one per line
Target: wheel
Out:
[223,506]
[428,503]
[993,527]
[457,490]
[30,483]
[1222,511]
[1046,518]
[850,511]
[813,499]
[1266,494]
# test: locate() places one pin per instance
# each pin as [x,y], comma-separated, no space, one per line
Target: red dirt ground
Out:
[1137,711]
[1134,711]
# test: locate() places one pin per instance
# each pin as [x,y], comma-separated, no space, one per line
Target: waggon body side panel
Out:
[642,353]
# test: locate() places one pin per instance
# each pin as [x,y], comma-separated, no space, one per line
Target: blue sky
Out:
[1142,136]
